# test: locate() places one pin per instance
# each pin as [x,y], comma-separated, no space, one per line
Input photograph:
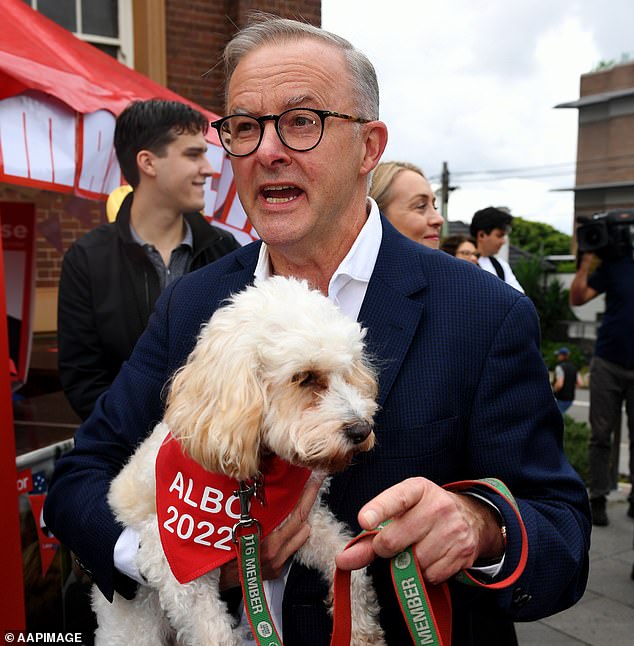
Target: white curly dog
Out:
[278,369]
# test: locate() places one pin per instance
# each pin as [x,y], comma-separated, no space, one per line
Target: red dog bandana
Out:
[197,509]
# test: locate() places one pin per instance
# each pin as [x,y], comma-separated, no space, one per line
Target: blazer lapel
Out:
[391,312]
[246,259]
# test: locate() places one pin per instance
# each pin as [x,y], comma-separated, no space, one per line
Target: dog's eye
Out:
[307,379]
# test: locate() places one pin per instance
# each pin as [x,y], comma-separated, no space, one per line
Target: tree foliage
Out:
[608,64]
[539,238]
[547,293]
[576,436]
[549,297]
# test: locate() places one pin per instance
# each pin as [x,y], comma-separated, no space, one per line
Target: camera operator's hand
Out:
[585,260]
[580,292]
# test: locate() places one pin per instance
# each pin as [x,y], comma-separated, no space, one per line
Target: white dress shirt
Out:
[509,277]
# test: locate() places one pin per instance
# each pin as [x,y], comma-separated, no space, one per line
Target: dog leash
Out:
[426,608]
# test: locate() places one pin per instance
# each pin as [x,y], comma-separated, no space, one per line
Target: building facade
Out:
[605,143]
[605,159]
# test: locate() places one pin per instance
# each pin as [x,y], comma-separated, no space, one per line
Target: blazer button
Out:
[520,597]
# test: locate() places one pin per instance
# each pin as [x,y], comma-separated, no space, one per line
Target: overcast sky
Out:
[475,84]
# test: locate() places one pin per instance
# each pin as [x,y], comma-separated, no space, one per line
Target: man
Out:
[611,369]
[112,276]
[490,228]
[460,397]
[566,380]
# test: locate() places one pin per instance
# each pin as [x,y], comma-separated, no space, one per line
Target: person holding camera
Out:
[612,365]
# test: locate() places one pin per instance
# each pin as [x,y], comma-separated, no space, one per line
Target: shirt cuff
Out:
[125,552]
[492,569]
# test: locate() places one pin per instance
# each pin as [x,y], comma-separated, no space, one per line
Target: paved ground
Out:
[605,614]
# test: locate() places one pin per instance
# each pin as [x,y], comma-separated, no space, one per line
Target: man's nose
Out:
[271,147]
[206,168]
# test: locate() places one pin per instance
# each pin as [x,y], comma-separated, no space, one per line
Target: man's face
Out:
[302,204]
[180,173]
[491,243]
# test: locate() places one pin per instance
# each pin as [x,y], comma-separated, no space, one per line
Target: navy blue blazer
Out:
[464,394]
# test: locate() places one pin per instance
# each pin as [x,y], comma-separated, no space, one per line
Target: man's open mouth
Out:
[281,194]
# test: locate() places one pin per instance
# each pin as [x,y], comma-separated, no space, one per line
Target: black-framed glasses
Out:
[299,129]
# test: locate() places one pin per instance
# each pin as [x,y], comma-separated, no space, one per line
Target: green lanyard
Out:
[255,605]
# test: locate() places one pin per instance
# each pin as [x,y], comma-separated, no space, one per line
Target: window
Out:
[106,24]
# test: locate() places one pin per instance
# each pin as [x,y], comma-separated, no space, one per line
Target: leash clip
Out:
[247,490]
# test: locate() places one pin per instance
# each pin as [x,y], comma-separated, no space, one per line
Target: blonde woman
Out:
[405,197]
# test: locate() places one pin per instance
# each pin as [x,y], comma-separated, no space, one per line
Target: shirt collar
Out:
[359,261]
[349,282]
[188,238]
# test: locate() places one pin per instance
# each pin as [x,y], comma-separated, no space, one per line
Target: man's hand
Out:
[448,531]
[580,292]
[281,543]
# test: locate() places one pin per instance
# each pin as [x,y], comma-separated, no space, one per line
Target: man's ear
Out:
[375,143]
[145,162]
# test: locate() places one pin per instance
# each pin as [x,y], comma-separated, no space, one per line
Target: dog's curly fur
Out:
[278,369]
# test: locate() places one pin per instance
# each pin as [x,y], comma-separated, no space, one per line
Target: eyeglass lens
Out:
[299,129]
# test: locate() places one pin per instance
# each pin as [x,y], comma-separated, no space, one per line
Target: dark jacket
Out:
[464,393]
[567,392]
[615,341]
[107,292]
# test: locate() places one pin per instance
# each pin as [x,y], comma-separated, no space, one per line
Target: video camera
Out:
[609,235]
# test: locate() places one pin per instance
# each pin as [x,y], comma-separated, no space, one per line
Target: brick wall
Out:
[610,141]
[197,32]
[620,77]
[605,148]
[60,220]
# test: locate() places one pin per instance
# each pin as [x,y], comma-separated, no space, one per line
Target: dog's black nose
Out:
[357,433]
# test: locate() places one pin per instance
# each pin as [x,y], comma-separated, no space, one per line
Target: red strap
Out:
[498,487]
[438,596]
[342,610]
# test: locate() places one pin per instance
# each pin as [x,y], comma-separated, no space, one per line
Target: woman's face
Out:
[412,209]
[466,251]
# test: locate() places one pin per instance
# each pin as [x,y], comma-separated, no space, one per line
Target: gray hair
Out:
[264,29]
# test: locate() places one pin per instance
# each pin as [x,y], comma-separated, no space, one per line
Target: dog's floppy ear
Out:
[216,401]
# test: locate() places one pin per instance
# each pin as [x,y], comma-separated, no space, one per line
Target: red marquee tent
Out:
[59,98]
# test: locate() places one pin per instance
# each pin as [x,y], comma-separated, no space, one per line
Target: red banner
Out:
[17,220]
[48,544]
[12,615]
[25,481]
